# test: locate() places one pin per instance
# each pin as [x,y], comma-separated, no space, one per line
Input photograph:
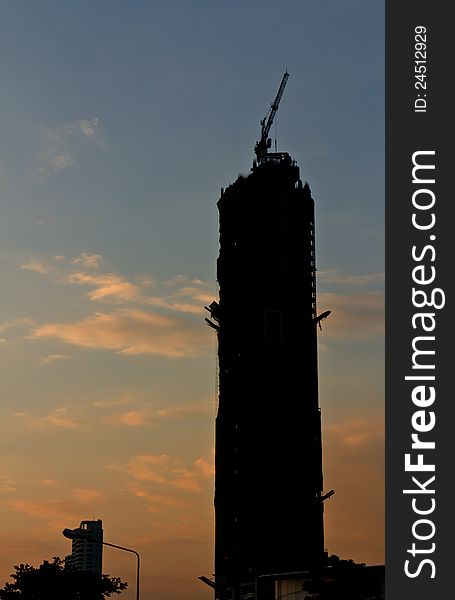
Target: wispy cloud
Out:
[179,294]
[170,304]
[357,431]
[355,317]
[37,266]
[58,417]
[145,280]
[159,502]
[107,287]
[56,511]
[132,332]
[182,410]
[354,468]
[52,358]
[15,328]
[7,485]
[49,482]
[181,286]
[131,418]
[55,265]
[87,496]
[88,128]
[122,412]
[166,324]
[113,402]
[349,279]
[56,145]
[62,161]
[59,512]
[87,260]
[163,470]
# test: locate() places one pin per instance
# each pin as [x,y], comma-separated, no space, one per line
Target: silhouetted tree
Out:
[52,581]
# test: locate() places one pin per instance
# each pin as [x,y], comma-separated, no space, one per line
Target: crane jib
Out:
[262,145]
[276,104]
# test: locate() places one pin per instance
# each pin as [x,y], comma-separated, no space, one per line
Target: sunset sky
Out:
[119,123]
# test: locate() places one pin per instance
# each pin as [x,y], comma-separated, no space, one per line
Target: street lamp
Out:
[72,535]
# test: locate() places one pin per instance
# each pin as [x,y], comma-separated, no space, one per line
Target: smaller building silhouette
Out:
[87,547]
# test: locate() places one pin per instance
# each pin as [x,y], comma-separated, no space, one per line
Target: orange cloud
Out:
[85,259]
[35,265]
[58,513]
[127,411]
[169,304]
[115,402]
[181,294]
[160,469]
[59,417]
[204,468]
[186,295]
[6,485]
[357,317]
[158,502]
[195,408]
[66,417]
[132,418]
[149,467]
[132,332]
[88,416]
[87,495]
[354,468]
[70,505]
[357,431]
[51,358]
[107,286]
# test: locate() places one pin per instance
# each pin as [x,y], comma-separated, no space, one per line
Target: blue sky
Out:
[119,123]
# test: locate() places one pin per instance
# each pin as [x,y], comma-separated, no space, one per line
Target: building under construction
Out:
[268,479]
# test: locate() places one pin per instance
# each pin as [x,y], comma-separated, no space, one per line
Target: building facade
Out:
[87,547]
[268,460]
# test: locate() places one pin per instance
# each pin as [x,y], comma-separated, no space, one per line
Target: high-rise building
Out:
[87,547]
[268,460]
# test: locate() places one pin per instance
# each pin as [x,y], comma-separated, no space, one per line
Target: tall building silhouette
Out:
[87,547]
[268,460]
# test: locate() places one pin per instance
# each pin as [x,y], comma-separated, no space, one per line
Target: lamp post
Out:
[72,535]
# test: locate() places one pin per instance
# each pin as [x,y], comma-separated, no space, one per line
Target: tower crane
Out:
[265,142]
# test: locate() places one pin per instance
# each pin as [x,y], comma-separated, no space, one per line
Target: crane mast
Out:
[264,143]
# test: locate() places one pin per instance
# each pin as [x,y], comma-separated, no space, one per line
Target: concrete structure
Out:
[87,547]
[268,477]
